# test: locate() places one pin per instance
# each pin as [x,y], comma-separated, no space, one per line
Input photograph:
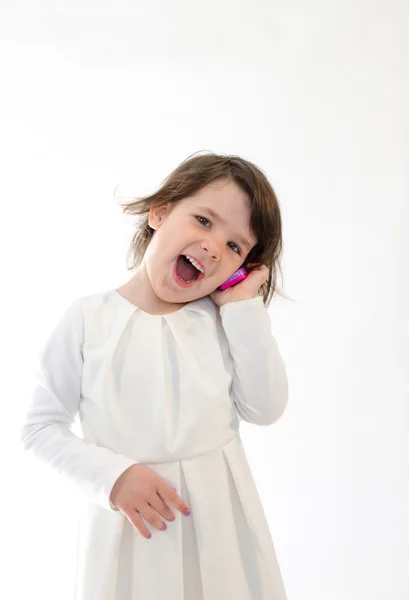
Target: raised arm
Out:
[260,385]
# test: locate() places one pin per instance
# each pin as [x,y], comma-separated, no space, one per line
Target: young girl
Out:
[160,371]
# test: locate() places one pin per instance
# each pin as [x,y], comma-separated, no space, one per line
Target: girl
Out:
[160,371]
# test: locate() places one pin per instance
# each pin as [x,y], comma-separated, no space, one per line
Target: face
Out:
[212,228]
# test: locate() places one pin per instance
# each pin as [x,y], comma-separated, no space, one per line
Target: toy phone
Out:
[237,276]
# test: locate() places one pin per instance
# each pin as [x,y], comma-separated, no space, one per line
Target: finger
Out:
[258,267]
[260,271]
[151,516]
[171,497]
[162,508]
[136,520]
[221,293]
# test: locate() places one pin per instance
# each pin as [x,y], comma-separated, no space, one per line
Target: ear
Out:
[156,215]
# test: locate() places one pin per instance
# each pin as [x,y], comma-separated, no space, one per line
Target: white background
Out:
[95,94]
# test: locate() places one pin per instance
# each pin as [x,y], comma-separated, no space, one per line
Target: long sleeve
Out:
[260,385]
[46,431]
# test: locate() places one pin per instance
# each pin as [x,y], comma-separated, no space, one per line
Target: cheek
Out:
[159,246]
[154,259]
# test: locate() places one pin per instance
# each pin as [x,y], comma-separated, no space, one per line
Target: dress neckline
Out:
[194,305]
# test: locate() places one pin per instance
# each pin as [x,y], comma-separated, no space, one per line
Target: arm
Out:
[46,431]
[260,385]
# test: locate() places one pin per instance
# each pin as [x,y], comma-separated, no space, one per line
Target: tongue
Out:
[185,270]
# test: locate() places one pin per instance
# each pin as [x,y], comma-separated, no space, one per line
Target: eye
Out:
[203,221]
[234,247]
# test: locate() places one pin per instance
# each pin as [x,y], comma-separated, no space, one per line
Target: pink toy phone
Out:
[237,276]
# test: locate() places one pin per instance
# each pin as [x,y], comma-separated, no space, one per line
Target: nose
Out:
[212,247]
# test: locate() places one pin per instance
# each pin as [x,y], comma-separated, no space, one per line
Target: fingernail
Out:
[173,488]
[187,512]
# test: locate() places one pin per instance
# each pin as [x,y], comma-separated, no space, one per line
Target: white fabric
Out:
[165,391]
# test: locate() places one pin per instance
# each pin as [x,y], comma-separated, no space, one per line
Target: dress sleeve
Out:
[46,430]
[260,385]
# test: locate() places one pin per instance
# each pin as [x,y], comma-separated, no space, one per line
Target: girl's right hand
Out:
[140,492]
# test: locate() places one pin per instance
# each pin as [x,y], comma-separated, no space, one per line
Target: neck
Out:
[139,291]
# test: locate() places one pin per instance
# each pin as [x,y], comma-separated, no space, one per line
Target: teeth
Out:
[195,263]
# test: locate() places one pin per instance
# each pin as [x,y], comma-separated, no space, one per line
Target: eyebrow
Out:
[219,218]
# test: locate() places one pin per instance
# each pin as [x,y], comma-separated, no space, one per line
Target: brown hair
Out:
[193,174]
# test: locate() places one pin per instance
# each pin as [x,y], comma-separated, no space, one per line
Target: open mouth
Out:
[186,271]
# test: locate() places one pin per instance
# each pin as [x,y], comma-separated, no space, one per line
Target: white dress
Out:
[165,391]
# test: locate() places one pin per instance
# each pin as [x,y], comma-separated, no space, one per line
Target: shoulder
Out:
[106,301]
[98,310]
[81,306]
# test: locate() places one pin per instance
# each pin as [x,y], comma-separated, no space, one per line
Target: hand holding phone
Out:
[237,276]
[256,273]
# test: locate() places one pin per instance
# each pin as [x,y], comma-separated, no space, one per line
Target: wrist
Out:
[240,298]
[240,305]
